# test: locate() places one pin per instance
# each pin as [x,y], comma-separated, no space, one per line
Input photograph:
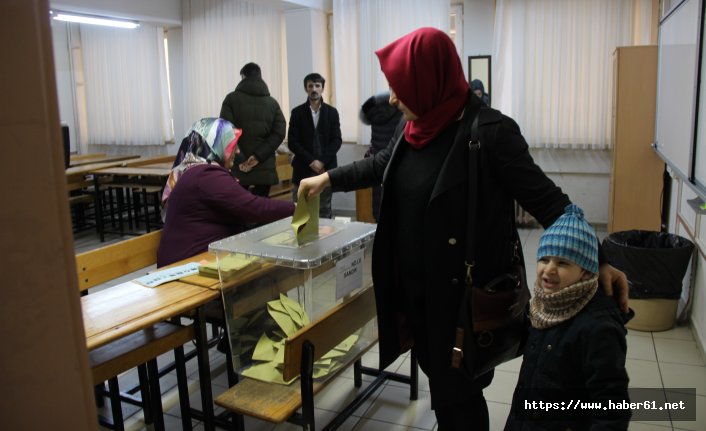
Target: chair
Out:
[278,403]
[141,348]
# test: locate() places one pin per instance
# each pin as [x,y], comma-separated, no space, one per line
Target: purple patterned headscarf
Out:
[209,140]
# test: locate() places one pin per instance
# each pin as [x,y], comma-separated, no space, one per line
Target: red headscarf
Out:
[425,72]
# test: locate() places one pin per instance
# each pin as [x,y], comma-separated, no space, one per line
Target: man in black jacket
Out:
[251,108]
[383,119]
[314,137]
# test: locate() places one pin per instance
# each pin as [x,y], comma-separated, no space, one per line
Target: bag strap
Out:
[473,152]
[474,170]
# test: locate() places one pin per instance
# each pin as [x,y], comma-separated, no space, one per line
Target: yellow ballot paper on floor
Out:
[305,221]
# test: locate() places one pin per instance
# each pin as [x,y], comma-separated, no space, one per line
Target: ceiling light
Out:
[92,19]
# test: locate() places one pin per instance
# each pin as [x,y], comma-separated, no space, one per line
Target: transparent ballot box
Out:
[289,288]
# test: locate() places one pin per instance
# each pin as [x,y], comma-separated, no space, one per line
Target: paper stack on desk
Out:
[229,266]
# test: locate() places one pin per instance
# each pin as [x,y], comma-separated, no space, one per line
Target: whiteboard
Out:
[676,86]
[700,145]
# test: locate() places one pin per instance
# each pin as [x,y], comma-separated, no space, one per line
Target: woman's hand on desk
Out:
[313,186]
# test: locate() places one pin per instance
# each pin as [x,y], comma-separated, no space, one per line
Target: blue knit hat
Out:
[572,238]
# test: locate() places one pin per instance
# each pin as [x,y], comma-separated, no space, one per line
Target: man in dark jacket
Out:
[383,119]
[314,137]
[251,109]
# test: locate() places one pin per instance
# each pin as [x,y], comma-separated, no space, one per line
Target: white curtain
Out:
[360,27]
[553,66]
[220,37]
[127,100]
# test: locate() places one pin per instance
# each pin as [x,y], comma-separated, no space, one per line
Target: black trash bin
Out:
[655,264]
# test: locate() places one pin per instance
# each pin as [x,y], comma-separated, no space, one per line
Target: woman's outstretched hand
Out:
[313,186]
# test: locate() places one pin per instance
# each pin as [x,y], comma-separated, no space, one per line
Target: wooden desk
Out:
[102,159]
[132,177]
[76,176]
[129,307]
[135,171]
[213,283]
[152,160]
[159,165]
[77,157]
[118,311]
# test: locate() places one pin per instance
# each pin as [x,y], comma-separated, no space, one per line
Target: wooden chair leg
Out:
[146,210]
[115,406]
[145,393]
[128,207]
[157,201]
[98,393]
[183,385]
[155,395]
[232,375]
[357,373]
[307,387]
[112,202]
[413,377]
[120,195]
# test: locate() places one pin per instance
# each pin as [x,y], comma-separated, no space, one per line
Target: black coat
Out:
[509,173]
[580,360]
[251,109]
[382,118]
[301,135]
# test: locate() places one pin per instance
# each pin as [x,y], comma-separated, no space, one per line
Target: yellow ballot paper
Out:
[268,356]
[229,265]
[265,349]
[305,220]
[267,372]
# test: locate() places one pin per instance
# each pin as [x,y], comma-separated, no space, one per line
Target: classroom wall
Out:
[478,28]
[307,45]
[176,77]
[308,51]
[64,78]
[686,222]
[45,379]
[583,175]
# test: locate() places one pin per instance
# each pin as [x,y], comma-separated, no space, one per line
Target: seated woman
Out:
[202,201]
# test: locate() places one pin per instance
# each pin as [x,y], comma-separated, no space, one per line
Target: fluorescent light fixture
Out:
[92,19]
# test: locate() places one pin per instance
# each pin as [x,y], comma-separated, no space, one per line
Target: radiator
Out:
[523,218]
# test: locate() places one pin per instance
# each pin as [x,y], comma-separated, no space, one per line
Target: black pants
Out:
[260,190]
[470,411]
[464,417]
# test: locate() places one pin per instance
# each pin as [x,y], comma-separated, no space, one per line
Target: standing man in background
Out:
[251,109]
[314,137]
[383,120]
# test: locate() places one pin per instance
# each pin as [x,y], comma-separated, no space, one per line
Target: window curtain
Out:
[219,38]
[126,94]
[553,66]
[359,29]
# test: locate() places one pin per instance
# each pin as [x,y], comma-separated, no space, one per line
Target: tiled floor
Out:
[669,359]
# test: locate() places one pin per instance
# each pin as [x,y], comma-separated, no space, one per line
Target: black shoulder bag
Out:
[492,319]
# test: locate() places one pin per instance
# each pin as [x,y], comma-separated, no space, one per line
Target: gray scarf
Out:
[550,309]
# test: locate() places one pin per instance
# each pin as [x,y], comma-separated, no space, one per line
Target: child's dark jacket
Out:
[578,361]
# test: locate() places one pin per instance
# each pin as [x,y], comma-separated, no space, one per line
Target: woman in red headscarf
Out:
[420,243]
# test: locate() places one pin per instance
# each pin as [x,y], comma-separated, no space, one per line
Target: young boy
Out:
[575,353]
